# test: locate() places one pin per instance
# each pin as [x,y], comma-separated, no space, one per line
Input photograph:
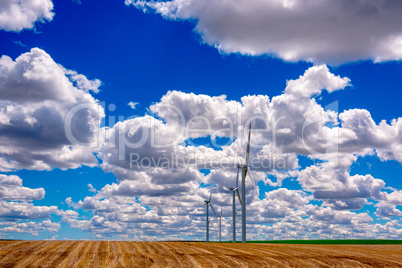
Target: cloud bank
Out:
[151,200]
[154,201]
[332,32]
[18,214]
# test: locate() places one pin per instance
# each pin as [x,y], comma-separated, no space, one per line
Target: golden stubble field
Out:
[191,254]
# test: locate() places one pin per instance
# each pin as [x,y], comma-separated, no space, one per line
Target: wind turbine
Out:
[220,227]
[208,203]
[235,190]
[244,168]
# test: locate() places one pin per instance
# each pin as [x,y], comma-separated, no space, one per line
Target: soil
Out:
[193,254]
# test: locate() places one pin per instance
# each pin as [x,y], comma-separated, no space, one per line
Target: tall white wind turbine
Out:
[244,168]
[209,204]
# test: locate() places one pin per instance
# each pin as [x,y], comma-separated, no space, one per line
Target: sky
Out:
[119,118]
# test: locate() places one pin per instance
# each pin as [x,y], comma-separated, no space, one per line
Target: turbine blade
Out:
[210,204]
[237,179]
[255,187]
[204,204]
[248,146]
[238,195]
[210,196]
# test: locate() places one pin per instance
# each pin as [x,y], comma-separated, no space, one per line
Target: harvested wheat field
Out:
[193,254]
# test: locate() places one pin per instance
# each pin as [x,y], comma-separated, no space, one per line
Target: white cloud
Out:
[314,80]
[387,211]
[31,227]
[15,211]
[386,208]
[281,119]
[91,188]
[18,214]
[278,204]
[331,32]
[82,82]
[132,104]
[339,189]
[11,189]
[16,15]
[37,96]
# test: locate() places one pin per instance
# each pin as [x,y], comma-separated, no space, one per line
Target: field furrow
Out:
[193,254]
[81,258]
[127,254]
[62,254]
[14,257]
[72,256]
[40,255]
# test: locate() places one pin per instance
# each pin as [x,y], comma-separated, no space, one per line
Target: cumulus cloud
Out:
[18,213]
[331,32]
[15,211]
[387,211]
[314,80]
[113,215]
[44,111]
[11,189]
[383,137]
[31,227]
[339,189]
[288,123]
[386,208]
[16,15]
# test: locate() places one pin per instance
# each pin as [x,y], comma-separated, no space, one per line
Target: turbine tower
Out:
[208,203]
[235,190]
[220,227]
[244,169]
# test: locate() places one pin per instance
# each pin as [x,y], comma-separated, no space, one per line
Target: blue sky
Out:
[161,56]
